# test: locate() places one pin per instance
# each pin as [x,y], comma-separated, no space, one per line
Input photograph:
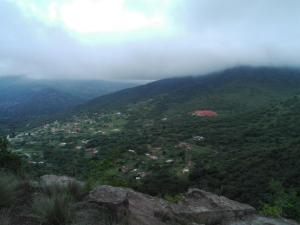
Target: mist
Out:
[145,40]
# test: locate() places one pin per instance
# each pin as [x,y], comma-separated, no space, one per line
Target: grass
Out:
[53,210]
[9,189]
[53,206]
[72,188]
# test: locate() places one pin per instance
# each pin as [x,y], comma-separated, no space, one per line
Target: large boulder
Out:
[134,208]
[207,208]
[114,200]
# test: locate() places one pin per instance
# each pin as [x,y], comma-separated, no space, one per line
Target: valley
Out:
[149,112]
[158,145]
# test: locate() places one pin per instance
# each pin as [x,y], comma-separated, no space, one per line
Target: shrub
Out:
[53,210]
[9,160]
[174,198]
[271,210]
[284,202]
[9,189]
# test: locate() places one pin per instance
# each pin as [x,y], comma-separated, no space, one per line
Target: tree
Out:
[8,160]
[3,144]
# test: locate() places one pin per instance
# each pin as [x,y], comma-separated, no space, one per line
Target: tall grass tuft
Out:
[53,210]
[53,206]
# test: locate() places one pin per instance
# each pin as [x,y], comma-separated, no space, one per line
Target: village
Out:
[76,134]
[71,135]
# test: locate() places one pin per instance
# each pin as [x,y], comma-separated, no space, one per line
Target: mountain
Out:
[83,89]
[246,86]
[233,132]
[87,89]
[41,102]
[23,99]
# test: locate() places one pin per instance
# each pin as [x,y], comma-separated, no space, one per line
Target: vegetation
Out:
[9,189]
[174,199]
[53,206]
[146,138]
[54,209]
[284,203]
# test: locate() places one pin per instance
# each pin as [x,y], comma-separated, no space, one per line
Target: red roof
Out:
[205,113]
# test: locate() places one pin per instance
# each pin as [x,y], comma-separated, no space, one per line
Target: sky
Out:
[145,39]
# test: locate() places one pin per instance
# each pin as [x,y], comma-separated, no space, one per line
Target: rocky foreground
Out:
[106,205]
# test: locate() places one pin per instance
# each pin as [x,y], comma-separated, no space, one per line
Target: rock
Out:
[115,200]
[134,208]
[109,196]
[58,180]
[260,220]
[206,208]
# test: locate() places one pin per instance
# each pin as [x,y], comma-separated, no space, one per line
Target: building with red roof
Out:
[205,113]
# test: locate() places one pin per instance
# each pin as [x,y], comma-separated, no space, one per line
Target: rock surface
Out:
[207,208]
[260,220]
[106,205]
[198,207]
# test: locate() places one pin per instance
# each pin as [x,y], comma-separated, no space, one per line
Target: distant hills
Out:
[23,99]
[242,87]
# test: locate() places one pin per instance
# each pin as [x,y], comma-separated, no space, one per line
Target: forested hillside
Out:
[234,132]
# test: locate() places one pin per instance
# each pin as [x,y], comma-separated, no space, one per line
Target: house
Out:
[131,151]
[78,147]
[198,138]
[185,146]
[186,170]
[153,157]
[205,113]
[169,161]
[91,152]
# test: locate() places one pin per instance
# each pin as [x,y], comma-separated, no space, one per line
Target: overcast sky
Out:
[145,39]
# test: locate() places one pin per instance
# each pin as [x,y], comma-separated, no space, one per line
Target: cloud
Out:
[186,37]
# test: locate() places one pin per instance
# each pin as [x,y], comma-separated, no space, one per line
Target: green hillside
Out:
[241,86]
[147,138]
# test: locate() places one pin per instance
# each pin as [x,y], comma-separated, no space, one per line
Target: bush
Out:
[9,160]
[285,202]
[9,189]
[53,210]
[174,198]
[271,210]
